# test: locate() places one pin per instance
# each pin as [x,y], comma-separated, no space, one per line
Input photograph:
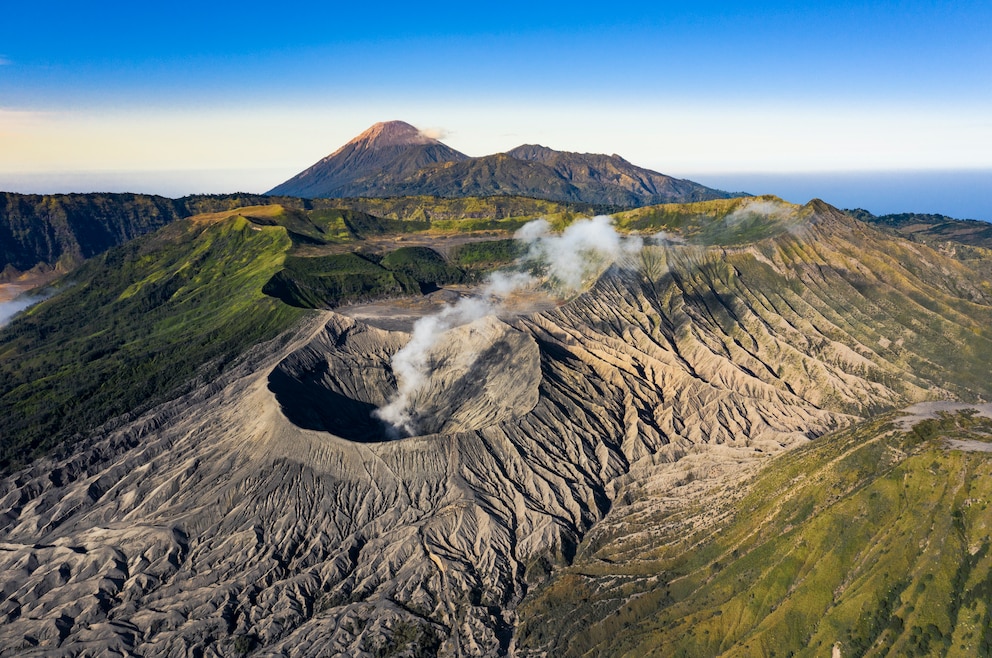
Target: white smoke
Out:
[664,239]
[434,133]
[412,366]
[760,208]
[567,261]
[579,253]
[11,308]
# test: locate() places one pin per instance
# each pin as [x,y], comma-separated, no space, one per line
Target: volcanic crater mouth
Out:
[481,374]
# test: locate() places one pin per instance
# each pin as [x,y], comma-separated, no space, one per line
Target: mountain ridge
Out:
[424,166]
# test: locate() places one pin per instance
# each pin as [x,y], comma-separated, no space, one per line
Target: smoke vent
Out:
[481,373]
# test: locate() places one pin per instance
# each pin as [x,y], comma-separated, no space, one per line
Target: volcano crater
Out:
[480,374]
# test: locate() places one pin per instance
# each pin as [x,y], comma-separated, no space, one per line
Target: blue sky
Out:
[196,97]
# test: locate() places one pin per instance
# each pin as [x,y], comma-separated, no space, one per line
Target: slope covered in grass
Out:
[135,324]
[874,538]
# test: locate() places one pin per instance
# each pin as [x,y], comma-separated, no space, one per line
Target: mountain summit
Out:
[392,149]
[387,134]
[396,159]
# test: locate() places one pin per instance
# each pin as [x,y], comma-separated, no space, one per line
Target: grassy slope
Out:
[60,231]
[873,538]
[136,323]
[823,542]
[141,320]
[721,222]
[327,281]
[470,213]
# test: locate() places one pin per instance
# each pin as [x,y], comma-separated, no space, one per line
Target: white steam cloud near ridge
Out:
[11,308]
[434,133]
[761,208]
[566,261]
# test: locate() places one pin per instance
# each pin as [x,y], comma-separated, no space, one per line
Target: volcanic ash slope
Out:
[267,513]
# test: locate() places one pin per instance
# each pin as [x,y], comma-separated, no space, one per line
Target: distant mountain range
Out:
[54,233]
[395,159]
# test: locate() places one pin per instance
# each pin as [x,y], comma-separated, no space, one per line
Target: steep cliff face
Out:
[266,512]
[60,230]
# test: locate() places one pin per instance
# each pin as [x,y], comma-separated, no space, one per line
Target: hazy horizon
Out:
[962,194]
[209,98]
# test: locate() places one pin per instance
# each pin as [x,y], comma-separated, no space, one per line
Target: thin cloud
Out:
[435,133]
[4,61]
[11,118]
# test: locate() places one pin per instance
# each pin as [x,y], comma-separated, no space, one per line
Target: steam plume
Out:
[9,309]
[434,133]
[761,208]
[565,261]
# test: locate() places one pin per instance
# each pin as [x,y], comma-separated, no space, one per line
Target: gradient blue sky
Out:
[213,97]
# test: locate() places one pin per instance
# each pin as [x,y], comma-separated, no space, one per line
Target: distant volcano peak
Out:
[394,158]
[389,133]
[392,150]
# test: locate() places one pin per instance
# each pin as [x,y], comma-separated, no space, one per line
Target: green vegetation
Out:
[721,222]
[362,225]
[486,255]
[134,325]
[320,227]
[968,240]
[408,639]
[931,228]
[328,281]
[479,213]
[874,538]
[245,644]
[422,264]
[60,231]
[63,229]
